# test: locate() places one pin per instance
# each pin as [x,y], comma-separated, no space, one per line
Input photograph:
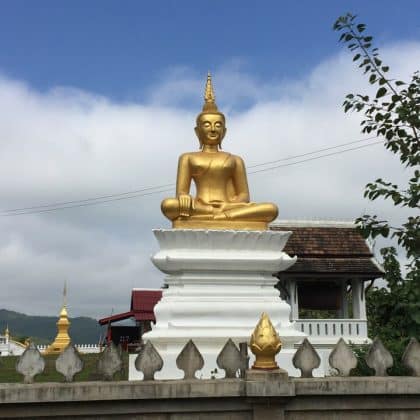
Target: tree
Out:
[393,114]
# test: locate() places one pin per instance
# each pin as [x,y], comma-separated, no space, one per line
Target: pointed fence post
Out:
[30,363]
[110,362]
[342,358]
[230,359]
[379,358]
[306,359]
[190,360]
[411,357]
[69,363]
[148,361]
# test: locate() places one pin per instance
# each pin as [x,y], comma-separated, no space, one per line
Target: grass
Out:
[8,372]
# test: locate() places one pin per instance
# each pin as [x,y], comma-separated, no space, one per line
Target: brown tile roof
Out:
[362,266]
[325,241]
[329,249]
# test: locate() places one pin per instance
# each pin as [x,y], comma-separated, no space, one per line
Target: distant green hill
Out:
[43,329]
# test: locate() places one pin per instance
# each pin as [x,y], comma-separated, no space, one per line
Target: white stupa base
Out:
[219,283]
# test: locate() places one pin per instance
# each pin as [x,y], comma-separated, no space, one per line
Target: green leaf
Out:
[372,78]
[347,106]
[381,92]
[385,69]
[356,57]
[385,231]
[416,317]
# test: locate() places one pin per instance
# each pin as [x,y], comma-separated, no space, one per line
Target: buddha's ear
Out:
[221,139]
[197,134]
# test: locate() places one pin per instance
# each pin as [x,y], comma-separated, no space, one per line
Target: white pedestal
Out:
[219,283]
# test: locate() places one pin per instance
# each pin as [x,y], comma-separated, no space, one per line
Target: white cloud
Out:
[68,145]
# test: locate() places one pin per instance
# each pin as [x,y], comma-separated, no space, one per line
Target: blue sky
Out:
[121,48]
[99,98]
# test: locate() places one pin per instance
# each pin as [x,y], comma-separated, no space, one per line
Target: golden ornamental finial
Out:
[209,97]
[265,344]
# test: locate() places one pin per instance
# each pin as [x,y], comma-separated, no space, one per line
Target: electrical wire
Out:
[158,189]
[311,153]
[316,157]
[62,203]
[85,204]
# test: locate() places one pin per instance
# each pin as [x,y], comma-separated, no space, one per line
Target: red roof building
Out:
[141,312]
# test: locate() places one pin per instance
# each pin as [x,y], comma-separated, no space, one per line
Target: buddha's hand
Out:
[185,204]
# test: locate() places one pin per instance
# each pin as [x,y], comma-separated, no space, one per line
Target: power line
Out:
[85,204]
[311,153]
[62,203]
[158,189]
[316,157]
[86,200]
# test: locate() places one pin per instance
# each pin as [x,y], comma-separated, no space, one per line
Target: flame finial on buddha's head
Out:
[209,97]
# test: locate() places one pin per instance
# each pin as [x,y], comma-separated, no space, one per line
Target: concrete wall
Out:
[258,396]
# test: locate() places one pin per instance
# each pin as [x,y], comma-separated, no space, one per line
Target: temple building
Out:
[127,328]
[325,288]
[223,256]
[8,346]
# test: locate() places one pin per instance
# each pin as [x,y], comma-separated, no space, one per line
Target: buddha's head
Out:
[210,123]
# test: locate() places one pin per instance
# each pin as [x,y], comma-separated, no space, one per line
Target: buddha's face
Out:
[210,129]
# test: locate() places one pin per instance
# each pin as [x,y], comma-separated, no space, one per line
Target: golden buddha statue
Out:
[222,194]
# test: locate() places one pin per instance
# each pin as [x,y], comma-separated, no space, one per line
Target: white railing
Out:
[331,328]
[89,348]
[82,348]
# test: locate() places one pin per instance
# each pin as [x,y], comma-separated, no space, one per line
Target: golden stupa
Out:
[62,340]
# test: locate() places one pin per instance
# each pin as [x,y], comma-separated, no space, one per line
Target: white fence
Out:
[333,328]
[82,348]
